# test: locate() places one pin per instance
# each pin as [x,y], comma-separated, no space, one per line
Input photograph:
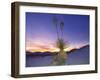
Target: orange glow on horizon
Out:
[47,47]
[47,50]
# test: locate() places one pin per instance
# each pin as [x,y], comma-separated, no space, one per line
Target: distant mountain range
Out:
[55,53]
[79,56]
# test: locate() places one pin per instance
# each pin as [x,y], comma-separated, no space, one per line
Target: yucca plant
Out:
[60,44]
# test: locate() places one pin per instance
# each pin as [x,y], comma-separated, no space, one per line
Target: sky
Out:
[41,33]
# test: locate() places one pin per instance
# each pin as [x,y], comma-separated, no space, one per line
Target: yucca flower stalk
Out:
[61,28]
[55,21]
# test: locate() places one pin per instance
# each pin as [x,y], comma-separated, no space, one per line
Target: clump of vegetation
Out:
[60,44]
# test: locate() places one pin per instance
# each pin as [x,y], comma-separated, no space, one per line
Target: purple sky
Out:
[41,33]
